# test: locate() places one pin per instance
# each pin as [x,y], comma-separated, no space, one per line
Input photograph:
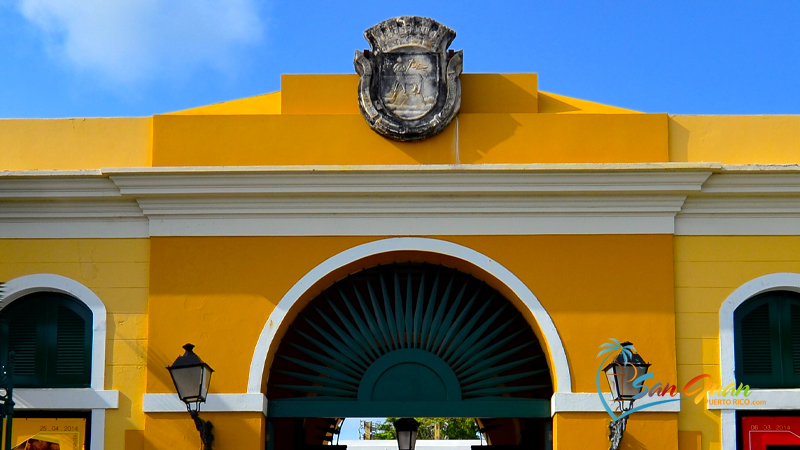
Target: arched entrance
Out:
[409,339]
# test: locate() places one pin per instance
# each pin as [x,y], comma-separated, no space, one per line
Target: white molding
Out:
[739,215]
[402,200]
[409,179]
[98,439]
[753,183]
[95,397]
[74,228]
[82,185]
[776,399]
[59,399]
[590,402]
[563,381]
[727,426]
[727,352]
[71,209]
[366,200]
[560,402]
[71,218]
[163,403]
[421,444]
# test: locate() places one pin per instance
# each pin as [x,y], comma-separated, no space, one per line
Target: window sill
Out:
[759,399]
[60,399]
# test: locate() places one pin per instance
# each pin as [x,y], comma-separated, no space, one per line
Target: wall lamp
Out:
[621,373]
[406,430]
[192,378]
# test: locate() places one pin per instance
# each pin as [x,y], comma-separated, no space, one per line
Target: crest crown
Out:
[409,31]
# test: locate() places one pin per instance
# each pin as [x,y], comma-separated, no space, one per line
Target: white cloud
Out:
[132,40]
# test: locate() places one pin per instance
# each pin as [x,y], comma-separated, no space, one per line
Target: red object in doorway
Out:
[769,432]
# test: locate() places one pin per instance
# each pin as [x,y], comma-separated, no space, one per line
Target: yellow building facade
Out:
[219,225]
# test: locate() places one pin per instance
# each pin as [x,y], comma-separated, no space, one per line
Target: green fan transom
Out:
[409,375]
[406,333]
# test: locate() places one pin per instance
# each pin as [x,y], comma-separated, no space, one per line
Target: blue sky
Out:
[84,58]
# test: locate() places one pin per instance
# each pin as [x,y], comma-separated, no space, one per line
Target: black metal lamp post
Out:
[406,430]
[192,378]
[621,373]
[7,399]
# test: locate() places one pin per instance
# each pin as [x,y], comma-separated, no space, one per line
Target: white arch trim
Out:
[772,282]
[96,398]
[775,398]
[558,356]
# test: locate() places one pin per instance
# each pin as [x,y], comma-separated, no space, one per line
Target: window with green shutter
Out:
[50,334]
[767,341]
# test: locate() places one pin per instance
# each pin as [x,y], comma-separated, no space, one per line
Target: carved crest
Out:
[410,87]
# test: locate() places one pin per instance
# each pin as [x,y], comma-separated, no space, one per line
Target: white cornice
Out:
[402,200]
[402,181]
[57,186]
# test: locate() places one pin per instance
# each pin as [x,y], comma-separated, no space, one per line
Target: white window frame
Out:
[95,398]
[775,399]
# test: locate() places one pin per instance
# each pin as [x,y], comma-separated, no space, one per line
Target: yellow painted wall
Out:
[343,139]
[480,93]
[117,271]
[232,431]
[735,139]
[199,278]
[651,431]
[72,144]
[707,270]
[213,285]
[315,120]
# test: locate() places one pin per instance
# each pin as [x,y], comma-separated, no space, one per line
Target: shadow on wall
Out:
[631,443]
[678,142]
[553,105]
[484,121]
[467,140]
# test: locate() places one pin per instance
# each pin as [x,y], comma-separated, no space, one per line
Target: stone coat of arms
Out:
[410,87]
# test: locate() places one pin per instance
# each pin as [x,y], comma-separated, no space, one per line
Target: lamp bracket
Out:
[615,431]
[204,427]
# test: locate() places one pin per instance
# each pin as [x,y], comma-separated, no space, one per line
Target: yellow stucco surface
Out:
[71,144]
[707,270]
[315,120]
[735,139]
[117,271]
[347,140]
[581,431]
[198,279]
[169,431]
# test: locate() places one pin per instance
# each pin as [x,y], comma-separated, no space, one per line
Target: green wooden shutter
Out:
[72,356]
[22,340]
[792,354]
[51,336]
[767,341]
[757,343]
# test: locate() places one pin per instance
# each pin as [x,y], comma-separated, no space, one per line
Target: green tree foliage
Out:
[450,428]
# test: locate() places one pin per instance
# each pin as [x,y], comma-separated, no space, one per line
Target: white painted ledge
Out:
[163,403]
[55,399]
[422,444]
[590,402]
[759,399]
[560,402]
